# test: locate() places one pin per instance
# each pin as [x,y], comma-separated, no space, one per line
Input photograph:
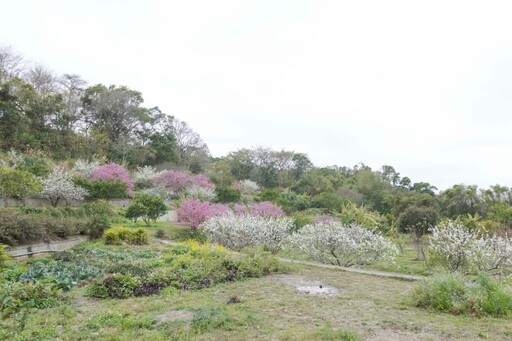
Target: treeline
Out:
[291,180]
[63,117]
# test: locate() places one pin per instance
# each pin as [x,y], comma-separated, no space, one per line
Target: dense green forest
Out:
[53,119]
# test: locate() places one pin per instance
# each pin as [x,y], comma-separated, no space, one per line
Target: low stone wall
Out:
[42,202]
[53,246]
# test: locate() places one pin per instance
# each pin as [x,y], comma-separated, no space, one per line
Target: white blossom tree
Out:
[343,245]
[58,185]
[84,168]
[239,231]
[461,249]
[144,176]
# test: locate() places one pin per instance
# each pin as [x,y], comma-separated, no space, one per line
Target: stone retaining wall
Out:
[53,246]
[42,202]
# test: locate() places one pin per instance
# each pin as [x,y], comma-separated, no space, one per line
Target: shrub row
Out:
[20,228]
[32,224]
[117,235]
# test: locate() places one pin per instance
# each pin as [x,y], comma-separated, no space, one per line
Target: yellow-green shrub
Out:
[117,235]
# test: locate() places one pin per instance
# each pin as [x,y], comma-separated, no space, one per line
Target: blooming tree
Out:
[193,212]
[85,168]
[261,209]
[58,185]
[177,182]
[200,180]
[239,231]
[452,244]
[344,245]
[200,193]
[113,171]
[246,187]
[267,209]
[143,176]
[461,249]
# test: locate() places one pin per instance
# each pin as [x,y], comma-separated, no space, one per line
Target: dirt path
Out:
[360,271]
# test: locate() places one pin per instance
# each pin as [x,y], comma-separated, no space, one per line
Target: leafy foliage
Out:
[99,214]
[227,194]
[59,274]
[117,235]
[17,183]
[18,228]
[147,207]
[187,266]
[103,189]
[453,294]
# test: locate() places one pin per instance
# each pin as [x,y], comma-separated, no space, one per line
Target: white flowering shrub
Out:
[239,231]
[452,244]
[200,193]
[143,176]
[84,168]
[247,187]
[344,245]
[58,185]
[460,249]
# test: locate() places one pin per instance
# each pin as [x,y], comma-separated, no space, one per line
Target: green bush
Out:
[35,165]
[138,237]
[20,228]
[103,189]
[453,294]
[31,295]
[114,286]
[329,202]
[292,202]
[99,214]
[17,183]
[160,233]
[4,256]
[227,194]
[145,206]
[117,235]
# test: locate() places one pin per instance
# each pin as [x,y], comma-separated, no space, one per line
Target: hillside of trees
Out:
[54,120]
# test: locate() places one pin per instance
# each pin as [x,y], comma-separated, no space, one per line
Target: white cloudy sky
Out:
[424,86]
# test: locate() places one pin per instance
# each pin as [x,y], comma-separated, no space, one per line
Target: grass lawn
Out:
[372,308]
[266,308]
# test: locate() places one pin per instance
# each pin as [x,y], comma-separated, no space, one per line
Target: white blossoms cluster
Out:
[143,176]
[248,187]
[84,168]
[461,249]
[200,193]
[58,185]
[344,245]
[239,231]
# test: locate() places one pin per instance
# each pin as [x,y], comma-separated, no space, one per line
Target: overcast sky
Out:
[424,86]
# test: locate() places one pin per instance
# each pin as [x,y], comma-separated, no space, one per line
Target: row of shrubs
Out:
[25,225]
